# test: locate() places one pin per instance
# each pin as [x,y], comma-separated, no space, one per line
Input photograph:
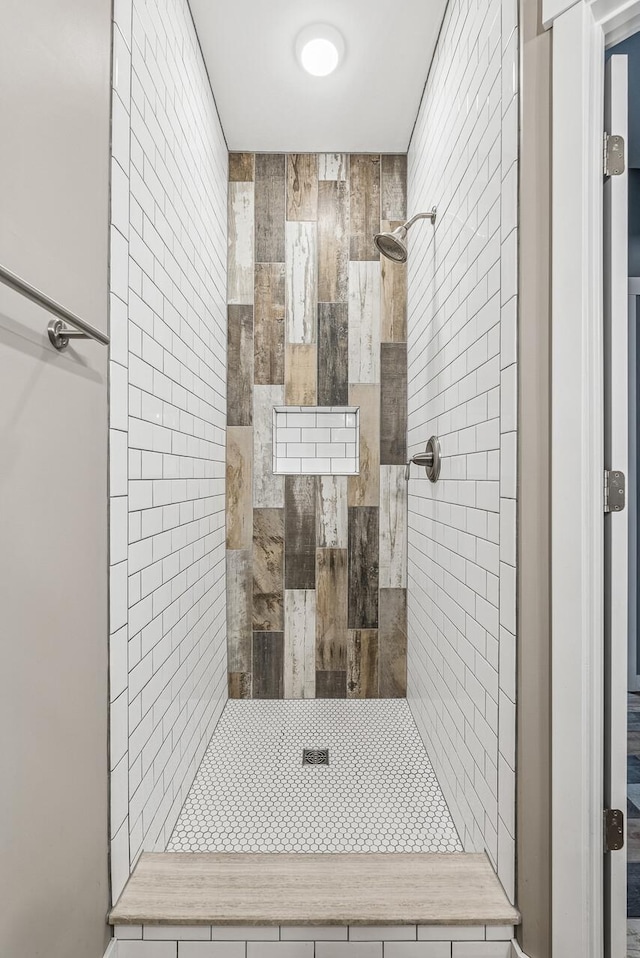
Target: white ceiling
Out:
[267,103]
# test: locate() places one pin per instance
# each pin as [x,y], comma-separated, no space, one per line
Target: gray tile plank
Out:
[363,567]
[269,207]
[268,665]
[268,488]
[333,354]
[240,360]
[239,609]
[393,404]
[364,186]
[392,680]
[331,685]
[393,176]
[300,532]
[333,242]
[269,324]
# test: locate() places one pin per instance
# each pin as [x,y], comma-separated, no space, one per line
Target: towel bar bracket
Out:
[59,334]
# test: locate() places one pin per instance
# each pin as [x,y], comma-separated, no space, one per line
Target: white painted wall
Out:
[463,387]
[54,205]
[167,419]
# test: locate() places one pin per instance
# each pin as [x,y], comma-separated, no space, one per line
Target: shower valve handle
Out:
[430,460]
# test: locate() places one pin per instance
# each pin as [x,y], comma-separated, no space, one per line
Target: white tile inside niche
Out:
[378,794]
[316,440]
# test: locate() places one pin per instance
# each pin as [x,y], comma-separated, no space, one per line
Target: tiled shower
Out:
[248,283]
[316,560]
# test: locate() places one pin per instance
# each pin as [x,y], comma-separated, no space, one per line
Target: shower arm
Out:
[421,216]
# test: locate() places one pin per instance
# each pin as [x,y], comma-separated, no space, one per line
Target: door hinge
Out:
[613,830]
[614,490]
[613,154]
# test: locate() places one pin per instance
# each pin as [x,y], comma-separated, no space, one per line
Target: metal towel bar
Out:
[59,334]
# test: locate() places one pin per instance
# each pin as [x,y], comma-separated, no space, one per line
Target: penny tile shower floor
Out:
[252,793]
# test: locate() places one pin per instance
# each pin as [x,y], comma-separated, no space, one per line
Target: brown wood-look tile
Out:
[364,489]
[392,644]
[333,242]
[393,299]
[239,604]
[362,664]
[393,176]
[363,567]
[240,360]
[393,404]
[269,207]
[302,186]
[333,354]
[268,665]
[301,375]
[239,685]
[239,487]
[364,185]
[269,324]
[300,532]
[331,609]
[241,167]
[268,570]
[331,685]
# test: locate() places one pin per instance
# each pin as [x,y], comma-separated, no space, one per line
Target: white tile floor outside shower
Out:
[378,794]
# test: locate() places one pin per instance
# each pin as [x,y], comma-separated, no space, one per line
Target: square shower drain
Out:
[315,756]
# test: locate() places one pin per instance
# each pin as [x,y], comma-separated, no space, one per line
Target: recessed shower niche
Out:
[316,440]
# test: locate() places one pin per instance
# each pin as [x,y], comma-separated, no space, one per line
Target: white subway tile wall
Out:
[463,387]
[339,941]
[167,423]
[316,440]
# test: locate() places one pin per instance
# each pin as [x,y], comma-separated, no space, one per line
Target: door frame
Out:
[580,32]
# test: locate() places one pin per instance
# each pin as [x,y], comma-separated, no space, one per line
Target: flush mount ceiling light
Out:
[319,48]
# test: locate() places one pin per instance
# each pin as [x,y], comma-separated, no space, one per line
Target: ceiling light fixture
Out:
[319,48]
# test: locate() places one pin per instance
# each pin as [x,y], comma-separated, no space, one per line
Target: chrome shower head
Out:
[394,245]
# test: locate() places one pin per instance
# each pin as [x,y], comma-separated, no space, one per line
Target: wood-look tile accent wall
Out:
[316,565]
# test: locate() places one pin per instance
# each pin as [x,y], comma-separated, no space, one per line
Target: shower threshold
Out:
[317,890]
[264,839]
